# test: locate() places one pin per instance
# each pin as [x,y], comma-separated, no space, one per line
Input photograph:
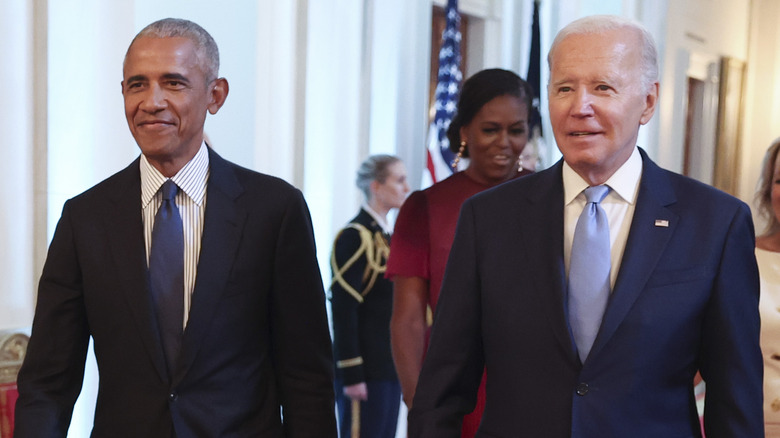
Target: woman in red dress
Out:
[491,129]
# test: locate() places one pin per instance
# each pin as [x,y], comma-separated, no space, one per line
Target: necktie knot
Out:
[596,194]
[169,189]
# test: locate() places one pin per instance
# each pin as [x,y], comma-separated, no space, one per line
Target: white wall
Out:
[694,29]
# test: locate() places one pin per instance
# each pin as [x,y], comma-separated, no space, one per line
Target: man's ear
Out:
[218,92]
[651,98]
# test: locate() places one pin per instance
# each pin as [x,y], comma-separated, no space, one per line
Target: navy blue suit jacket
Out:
[256,341]
[685,299]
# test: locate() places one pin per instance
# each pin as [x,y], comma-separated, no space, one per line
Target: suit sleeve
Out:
[51,377]
[454,363]
[345,305]
[302,346]
[731,362]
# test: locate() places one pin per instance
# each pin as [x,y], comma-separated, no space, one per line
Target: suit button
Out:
[582,389]
[173,397]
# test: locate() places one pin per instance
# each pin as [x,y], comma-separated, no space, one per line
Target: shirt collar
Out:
[379,219]
[624,182]
[191,179]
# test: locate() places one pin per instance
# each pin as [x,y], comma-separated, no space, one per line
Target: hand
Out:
[407,331]
[358,391]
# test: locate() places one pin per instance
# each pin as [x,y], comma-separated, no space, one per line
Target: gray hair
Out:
[205,47]
[596,24]
[764,191]
[374,168]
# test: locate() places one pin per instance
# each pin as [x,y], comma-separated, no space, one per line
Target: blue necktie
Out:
[166,273]
[589,268]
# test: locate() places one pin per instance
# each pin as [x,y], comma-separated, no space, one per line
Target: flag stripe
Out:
[449,76]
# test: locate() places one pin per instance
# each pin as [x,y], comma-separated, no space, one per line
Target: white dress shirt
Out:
[619,205]
[191,202]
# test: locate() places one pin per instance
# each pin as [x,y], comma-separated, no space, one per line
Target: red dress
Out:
[421,243]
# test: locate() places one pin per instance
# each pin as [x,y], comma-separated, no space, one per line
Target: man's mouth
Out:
[154,122]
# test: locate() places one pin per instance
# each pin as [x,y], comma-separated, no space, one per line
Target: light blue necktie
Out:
[166,273]
[589,268]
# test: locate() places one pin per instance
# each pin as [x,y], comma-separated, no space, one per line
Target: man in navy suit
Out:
[254,353]
[683,278]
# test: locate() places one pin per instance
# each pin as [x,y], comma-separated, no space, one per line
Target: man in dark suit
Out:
[249,353]
[681,277]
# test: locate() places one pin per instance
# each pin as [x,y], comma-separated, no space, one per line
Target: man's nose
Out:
[154,100]
[582,104]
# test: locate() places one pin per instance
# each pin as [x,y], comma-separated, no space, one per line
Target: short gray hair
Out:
[205,47]
[374,168]
[596,24]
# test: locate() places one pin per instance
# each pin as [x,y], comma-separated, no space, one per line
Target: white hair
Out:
[595,24]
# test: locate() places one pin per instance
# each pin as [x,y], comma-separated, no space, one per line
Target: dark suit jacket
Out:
[256,342]
[362,329]
[685,299]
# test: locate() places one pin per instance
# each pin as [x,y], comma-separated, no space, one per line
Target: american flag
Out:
[534,72]
[440,158]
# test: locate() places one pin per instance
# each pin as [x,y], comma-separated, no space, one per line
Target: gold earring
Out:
[459,156]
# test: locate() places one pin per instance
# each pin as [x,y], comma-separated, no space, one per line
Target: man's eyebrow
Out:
[136,78]
[168,76]
[560,82]
[176,76]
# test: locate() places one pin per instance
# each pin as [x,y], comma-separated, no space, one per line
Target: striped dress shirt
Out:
[191,202]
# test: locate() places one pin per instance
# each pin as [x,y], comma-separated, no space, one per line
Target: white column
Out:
[88,136]
[399,56]
[16,167]
[280,63]
[332,131]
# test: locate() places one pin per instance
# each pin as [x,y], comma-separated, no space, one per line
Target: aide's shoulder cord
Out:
[376,250]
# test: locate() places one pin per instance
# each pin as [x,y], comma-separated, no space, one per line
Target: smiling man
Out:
[196,279]
[592,292]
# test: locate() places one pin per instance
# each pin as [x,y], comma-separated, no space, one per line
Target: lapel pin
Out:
[662,223]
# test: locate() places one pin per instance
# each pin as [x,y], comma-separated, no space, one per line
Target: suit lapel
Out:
[222,227]
[651,228]
[542,229]
[126,240]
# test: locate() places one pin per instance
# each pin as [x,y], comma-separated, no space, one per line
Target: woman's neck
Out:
[769,242]
[378,208]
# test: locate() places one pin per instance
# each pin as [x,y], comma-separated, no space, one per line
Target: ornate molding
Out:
[13,347]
